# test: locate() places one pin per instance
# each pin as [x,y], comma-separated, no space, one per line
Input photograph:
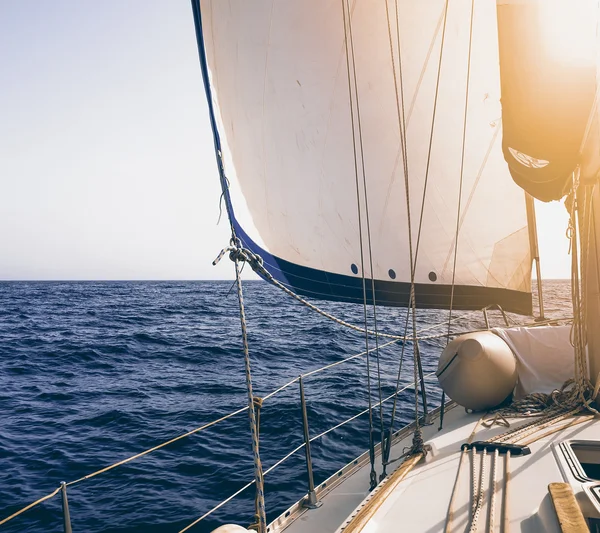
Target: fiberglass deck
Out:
[420,502]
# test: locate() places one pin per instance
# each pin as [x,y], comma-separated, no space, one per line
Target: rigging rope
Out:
[257,265]
[402,128]
[124,461]
[479,493]
[367,219]
[256,525]
[463,453]
[576,394]
[261,525]
[206,426]
[462,162]
[387,446]
[26,508]
[413,255]
[349,48]
[496,456]
[417,446]
[417,365]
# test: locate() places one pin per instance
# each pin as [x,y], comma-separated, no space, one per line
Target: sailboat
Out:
[388,154]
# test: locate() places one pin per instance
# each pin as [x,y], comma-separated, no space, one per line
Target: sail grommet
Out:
[392,273]
[432,276]
[354,268]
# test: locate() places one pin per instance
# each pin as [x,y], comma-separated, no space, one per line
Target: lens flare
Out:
[569,30]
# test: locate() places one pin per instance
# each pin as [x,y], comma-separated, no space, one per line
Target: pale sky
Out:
[107,169]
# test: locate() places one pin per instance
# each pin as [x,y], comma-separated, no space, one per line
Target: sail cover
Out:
[307,99]
[548,55]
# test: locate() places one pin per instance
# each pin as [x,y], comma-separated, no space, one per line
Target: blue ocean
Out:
[94,372]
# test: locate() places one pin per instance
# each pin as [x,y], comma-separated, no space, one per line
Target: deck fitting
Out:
[480,445]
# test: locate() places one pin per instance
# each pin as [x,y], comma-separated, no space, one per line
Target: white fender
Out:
[477,370]
[231,528]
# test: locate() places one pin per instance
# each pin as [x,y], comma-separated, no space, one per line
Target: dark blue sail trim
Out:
[211,110]
[324,285]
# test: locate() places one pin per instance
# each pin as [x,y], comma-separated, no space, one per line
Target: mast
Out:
[590,222]
[535,251]
[590,273]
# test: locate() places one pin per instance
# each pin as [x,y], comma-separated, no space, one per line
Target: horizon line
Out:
[58,280]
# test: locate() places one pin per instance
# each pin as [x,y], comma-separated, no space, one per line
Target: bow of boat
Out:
[455,489]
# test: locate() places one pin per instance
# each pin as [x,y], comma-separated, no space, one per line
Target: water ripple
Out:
[93,372]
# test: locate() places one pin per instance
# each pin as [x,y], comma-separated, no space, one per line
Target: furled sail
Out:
[548,56]
[309,100]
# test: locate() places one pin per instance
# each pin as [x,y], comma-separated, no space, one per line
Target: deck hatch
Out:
[583,458]
[588,455]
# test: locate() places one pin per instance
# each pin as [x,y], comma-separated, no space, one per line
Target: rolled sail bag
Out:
[548,81]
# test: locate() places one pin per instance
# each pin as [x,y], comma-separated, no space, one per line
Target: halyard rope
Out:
[492,527]
[478,496]
[349,48]
[402,128]
[368,224]
[462,163]
[417,366]
[261,525]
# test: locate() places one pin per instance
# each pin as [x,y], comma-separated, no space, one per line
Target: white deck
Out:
[420,502]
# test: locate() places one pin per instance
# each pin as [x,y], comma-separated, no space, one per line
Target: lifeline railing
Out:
[310,500]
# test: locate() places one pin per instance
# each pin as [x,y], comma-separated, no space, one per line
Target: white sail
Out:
[278,80]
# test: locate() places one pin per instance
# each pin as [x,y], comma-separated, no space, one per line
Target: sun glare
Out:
[569,30]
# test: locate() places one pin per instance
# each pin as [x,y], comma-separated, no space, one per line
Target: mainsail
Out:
[310,101]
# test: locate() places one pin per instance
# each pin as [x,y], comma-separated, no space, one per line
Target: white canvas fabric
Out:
[545,357]
[279,84]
